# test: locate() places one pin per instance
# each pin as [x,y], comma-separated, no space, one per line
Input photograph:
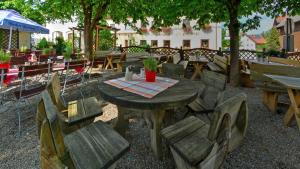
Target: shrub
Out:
[68,51]
[60,45]
[43,44]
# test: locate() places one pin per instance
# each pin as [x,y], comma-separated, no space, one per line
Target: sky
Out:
[266,24]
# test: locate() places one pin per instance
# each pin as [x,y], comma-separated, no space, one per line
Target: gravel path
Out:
[268,144]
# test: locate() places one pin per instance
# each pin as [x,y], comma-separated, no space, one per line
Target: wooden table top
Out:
[201,59]
[290,82]
[264,62]
[181,94]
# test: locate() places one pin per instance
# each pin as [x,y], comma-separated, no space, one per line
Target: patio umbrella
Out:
[12,20]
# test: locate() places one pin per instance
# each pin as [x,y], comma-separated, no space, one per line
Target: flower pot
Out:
[150,76]
[4,65]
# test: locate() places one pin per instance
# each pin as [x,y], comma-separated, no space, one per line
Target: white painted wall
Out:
[247,43]
[214,35]
[56,26]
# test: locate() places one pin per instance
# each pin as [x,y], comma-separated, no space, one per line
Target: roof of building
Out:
[257,39]
[278,20]
[294,18]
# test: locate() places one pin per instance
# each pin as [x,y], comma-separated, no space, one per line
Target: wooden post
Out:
[115,39]
[73,45]
[121,49]
[80,40]
[97,38]
[181,54]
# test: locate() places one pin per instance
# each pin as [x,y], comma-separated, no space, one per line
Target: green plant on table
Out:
[4,57]
[68,52]
[150,64]
[46,51]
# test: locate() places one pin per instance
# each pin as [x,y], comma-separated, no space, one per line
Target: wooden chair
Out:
[212,84]
[78,112]
[195,144]
[271,89]
[220,64]
[94,146]
[173,70]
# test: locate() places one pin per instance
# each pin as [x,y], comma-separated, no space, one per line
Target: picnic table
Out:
[293,87]
[153,109]
[198,62]
[109,59]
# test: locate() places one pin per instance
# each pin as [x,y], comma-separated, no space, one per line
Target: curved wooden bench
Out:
[94,146]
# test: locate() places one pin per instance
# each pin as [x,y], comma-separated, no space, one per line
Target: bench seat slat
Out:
[96,146]
[83,109]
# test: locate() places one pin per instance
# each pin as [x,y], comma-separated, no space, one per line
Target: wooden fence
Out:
[185,53]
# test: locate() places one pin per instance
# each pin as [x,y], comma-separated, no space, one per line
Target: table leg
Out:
[121,124]
[198,70]
[156,119]
[109,62]
[293,110]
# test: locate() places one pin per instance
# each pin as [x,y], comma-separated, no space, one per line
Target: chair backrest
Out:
[33,70]
[17,60]
[176,58]
[237,111]
[53,88]
[75,64]
[51,132]
[214,79]
[284,61]
[221,61]
[173,70]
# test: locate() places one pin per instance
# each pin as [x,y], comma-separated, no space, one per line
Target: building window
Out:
[70,36]
[143,42]
[126,43]
[56,34]
[186,44]
[153,43]
[167,43]
[204,43]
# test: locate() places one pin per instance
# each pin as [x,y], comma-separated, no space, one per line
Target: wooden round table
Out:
[154,109]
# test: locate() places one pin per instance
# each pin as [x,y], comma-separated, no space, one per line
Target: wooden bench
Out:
[173,70]
[220,64]
[196,144]
[284,61]
[271,89]
[78,112]
[211,82]
[94,146]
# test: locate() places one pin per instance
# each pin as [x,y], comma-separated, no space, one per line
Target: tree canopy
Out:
[27,8]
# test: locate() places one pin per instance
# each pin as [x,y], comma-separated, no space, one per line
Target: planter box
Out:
[150,76]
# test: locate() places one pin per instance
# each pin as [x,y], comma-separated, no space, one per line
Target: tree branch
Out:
[99,13]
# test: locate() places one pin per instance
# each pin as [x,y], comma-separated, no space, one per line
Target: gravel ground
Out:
[268,144]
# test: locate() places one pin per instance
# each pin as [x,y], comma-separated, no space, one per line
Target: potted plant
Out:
[4,59]
[150,65]
[67,53]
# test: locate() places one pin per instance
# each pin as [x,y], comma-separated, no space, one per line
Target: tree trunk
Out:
[88,41]
[234,29]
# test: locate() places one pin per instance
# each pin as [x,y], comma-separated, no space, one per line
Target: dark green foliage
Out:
[60,45]
[106,40]
[43,44]
[272,38]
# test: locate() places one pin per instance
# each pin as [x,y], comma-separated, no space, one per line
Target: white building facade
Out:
[247,43]
[176,36]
